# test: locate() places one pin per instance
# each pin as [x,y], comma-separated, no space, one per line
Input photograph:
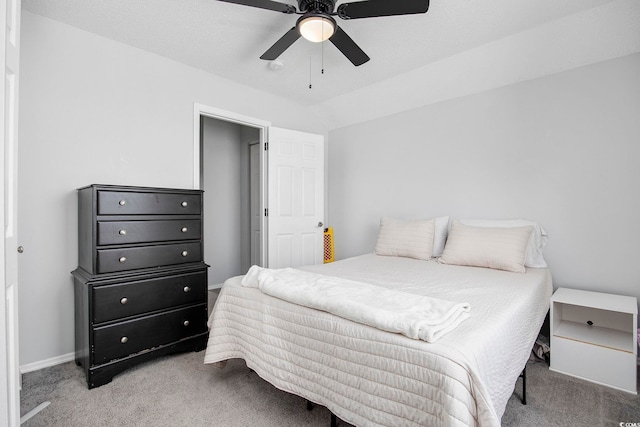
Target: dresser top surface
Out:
[110,187]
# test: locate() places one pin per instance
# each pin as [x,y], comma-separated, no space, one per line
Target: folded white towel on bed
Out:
[415,316]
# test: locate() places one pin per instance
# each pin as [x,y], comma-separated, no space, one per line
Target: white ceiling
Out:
[227,39]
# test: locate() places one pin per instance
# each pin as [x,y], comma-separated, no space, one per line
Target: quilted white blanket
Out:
[370,377]
[415,316]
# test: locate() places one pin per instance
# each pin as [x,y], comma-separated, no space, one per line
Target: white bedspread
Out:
[369,377]
[415,316]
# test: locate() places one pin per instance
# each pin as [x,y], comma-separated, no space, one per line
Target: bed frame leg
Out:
[334,419]
[523,375]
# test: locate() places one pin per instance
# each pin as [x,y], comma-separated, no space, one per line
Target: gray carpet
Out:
[180,390]
[555,399]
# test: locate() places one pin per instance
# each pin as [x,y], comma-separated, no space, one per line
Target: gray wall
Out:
[562,150]
[94,111]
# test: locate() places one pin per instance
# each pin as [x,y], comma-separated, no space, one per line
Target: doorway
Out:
[284,196]
[230,164]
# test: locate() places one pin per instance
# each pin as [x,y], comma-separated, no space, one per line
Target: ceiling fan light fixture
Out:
[316,28]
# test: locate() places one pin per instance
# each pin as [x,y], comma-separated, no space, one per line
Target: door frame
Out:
[9,332]
[201,110]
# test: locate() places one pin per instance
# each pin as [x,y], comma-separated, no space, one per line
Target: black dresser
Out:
[141,283]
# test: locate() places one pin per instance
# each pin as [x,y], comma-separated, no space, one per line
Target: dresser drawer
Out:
[122,259]
[113,302]
[130,337]
[141,203]
[123,232]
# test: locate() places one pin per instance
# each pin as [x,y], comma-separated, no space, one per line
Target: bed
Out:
[370,377]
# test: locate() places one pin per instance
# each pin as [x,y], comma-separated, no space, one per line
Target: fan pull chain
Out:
[322,67]
[310,85]
[322,50]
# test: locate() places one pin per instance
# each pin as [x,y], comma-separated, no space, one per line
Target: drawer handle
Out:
[124,300]
[185,323]
[184,204]
[185,253]
[123,259]
[186,289]
[122,232]
[184,229]
[124,340]
[122,202]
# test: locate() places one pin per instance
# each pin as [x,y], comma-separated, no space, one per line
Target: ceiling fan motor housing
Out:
[322,6]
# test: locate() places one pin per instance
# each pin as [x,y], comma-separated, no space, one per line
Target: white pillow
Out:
[440,236]
[412,239]
[537,241]
[501,248]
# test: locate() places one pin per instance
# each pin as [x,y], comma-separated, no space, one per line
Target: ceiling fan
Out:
[317,23]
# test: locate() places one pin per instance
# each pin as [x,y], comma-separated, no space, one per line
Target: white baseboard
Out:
[30,367]
[214,287]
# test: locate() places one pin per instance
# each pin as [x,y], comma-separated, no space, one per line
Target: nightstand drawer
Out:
[122,300]
[140,203]
[122,259]
[131,337]
[125,232]
[613,368]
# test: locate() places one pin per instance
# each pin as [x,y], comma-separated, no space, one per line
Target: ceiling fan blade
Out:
[281,45]
[348,47]
[265,4]
[374,8]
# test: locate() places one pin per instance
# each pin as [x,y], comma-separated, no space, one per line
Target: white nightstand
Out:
[593,337]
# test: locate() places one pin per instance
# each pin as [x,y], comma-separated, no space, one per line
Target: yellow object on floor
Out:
[329,254]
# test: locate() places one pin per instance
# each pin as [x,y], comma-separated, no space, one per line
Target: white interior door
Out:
[295,198]
[9,361]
